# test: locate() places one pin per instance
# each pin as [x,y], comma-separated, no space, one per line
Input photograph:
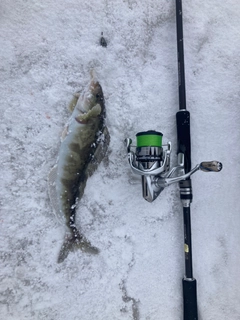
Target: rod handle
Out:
[190,299]
[208,166]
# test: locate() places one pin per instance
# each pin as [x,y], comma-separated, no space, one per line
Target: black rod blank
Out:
[184,147]
[180,48]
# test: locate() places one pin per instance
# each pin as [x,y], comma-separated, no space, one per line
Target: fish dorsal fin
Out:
[52,191]
[74,101]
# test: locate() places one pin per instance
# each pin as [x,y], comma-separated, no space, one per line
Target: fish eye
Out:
[99,97]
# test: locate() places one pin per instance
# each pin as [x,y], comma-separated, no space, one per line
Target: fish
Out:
[84,144]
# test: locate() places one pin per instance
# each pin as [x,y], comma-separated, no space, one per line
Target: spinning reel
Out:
[151,160]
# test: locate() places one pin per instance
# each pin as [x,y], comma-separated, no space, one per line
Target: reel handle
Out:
[208,166]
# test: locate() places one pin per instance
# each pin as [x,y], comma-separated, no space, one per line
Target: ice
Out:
[47,51]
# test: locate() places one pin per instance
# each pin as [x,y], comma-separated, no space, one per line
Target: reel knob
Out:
[208,166]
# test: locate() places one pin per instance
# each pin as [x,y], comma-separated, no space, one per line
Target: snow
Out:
[47,50]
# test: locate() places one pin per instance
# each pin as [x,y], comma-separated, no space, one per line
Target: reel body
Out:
[151,160]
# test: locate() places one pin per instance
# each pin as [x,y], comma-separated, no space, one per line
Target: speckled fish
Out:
[84,143]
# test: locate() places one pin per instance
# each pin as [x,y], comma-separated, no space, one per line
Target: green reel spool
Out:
[149,138]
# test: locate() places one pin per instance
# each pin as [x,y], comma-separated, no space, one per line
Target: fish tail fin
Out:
[73,242]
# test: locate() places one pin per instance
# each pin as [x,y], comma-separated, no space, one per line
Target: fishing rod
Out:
[150,159]
[189,283]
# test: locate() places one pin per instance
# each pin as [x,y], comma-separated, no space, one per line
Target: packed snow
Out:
[47,50]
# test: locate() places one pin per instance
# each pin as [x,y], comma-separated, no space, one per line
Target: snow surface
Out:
[47,50]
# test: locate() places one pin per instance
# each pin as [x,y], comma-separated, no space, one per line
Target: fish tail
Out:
[73,242]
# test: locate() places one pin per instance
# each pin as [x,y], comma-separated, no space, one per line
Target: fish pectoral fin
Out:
[72,243]
[64,133]
[93,113]
[74,101]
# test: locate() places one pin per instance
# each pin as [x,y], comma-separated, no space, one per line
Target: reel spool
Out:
[151,160]
[149,148]
[149,155]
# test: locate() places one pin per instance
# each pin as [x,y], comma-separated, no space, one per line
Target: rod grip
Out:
[190,299]
[184,139]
